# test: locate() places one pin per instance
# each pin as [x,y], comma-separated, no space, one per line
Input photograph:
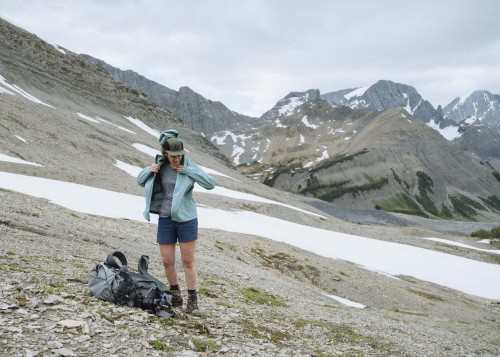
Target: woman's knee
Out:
[188,263]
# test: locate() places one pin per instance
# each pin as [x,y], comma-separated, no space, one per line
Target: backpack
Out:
[112,281]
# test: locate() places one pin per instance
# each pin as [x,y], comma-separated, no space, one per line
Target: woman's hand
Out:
[155,168]
[179,168]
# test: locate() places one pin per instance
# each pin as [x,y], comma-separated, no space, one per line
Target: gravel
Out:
[258,298]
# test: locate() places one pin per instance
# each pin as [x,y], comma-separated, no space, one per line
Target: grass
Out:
[494,233]
[401,203]
[427,295]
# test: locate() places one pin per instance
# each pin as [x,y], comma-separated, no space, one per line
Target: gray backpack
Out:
[112,281]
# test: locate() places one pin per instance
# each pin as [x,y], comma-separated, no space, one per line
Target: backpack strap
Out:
[143,265]
[111,261]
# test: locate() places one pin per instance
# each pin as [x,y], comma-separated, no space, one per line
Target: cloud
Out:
[249,54]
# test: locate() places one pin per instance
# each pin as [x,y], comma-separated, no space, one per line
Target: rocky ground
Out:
[258,297]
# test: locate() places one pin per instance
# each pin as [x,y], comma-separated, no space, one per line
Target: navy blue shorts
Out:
[170,232]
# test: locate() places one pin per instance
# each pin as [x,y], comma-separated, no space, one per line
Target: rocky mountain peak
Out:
[481,105]
[287,105]
[384,95]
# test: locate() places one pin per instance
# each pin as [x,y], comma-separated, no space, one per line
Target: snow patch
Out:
[307,124]
[358,92]
[288,109]
[144,127]
[16,160]
[22,139]
[20,91]
[466,275]
[449,133]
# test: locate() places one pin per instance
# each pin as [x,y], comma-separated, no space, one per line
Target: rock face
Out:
[385,95]
[480,105]
[288,104]
[482,142]
[196,112]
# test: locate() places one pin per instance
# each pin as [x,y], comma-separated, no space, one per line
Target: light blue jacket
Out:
[183,204]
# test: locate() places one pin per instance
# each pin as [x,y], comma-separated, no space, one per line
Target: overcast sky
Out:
[248,54]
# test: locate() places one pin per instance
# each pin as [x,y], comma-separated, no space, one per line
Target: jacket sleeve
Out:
[199,176]
[143,176]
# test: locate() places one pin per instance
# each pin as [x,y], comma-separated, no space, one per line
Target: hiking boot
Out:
[192,305]
[176,298]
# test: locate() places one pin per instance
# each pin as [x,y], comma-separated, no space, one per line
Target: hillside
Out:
[64,118]
[195,111]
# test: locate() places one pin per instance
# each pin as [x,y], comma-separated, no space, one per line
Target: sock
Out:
[174,287]
[192,292]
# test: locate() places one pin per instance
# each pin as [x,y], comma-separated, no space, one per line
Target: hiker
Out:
[168,188]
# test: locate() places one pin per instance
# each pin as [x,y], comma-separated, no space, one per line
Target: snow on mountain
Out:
[12,89]
[287,105]
[449,133]
[481,105]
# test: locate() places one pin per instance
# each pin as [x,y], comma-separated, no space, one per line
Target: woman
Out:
[168,187]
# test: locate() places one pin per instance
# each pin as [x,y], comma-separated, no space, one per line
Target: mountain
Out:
[194,110]
[72,138]
[480,141]
[385,95]
[288,104]
[361,158]
[228,129]
[481,105]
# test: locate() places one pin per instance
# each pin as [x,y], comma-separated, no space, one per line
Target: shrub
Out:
[480,233]
[494,233]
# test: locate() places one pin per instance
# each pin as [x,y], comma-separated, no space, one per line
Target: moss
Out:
[204,345]
[427,295]
[188,326]
[253,295]
[344,334]
[273,335]
[161,346]
[289,265]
